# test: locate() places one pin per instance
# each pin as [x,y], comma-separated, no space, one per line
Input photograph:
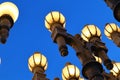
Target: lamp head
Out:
[8,15]
[70,72]
[110,28]
[116,69]
[90,31]
[54,17]
[8,8]
[37,60]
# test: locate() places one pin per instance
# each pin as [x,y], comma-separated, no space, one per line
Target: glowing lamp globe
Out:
[90,31]
[37,60]
[110,28]
[70,72]
[53,18]
[8,8]
[116,69]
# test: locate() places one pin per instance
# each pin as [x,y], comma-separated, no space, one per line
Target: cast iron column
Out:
[39,74]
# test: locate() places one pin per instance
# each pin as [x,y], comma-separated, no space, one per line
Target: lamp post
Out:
[71,72]
[115,6]
[89,48]
[37,64]
[8,16]
[92,34]
[112,31]
[55,23]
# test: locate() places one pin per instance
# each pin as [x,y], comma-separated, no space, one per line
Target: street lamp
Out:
[70,72]
[55,23]
[112,31]
[92,34]
[115,6]
[8,16]
[89,48]
[59,20]
[37,64]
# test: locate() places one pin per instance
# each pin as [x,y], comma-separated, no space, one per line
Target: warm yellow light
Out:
[37,60]
[81,79]
[98,59]
[90,31]
[110,28]
[54,17]
[70,71]
[116,69]
[10,9]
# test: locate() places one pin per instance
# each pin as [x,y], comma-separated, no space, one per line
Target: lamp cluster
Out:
[89,47]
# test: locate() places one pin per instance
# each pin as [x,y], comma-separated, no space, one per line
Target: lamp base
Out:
[93,71]
[6,22]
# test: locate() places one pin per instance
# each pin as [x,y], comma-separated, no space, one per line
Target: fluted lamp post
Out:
[55,23]
[8,16]
[116,69]
[71,72]
[115,6]
[112,31]
[37,64]
[92,35]
[56,19]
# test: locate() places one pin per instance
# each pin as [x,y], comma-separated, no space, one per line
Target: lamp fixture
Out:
[8,16]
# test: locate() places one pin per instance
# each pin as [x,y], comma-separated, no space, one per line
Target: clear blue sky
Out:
[29,35]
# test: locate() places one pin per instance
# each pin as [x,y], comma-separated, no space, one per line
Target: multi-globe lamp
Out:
[89,48]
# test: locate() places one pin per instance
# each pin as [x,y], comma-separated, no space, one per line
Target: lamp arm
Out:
[98,48]
[91,69]
[61,37]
